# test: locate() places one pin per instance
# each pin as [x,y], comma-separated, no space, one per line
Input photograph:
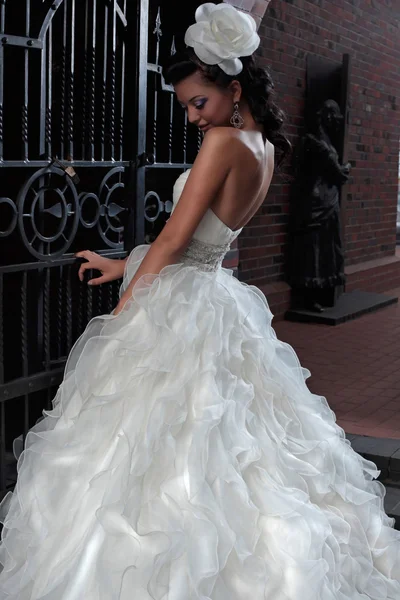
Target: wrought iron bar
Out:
[46,318]
[63,82]
[143,24]
[24,346]
[40,319]
[171,123]
[158,33]
[2,20]
[23,41]
[92,104]
[171,110]
[24,111]
[49,91]
[75,163]
[110,299]
[155,124]
[2,17]
[1,330]
[24,323]
[27,17]
[43,100]
[67,259]
[122,106]
[60,311]
[113,84]
[80,308]
[71,86]
[104,84]
[3,461]
[185,127]
[35,383]
[49,398]
[99,300]
[89,303]
[69,308]
[85,82]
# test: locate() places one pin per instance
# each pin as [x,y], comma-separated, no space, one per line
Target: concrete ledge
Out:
[379,275]
[349,306]
[392,259]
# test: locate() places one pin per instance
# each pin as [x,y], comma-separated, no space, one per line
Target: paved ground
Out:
[356,366]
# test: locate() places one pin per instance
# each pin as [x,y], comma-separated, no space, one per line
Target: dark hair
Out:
[257,86]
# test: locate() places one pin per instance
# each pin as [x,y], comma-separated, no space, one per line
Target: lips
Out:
[204,127]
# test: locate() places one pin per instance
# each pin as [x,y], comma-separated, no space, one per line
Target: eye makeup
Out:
[201,104]
[197,104]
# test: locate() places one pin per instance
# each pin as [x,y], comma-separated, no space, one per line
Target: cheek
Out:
[219,111]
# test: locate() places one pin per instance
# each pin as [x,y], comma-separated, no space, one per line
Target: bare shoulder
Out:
[218,136]
[231,145]
[225,141]
[218,145]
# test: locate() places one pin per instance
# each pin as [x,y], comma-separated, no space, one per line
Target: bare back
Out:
[248,182]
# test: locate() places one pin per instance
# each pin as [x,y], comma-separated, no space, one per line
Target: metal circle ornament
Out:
[89,204]
[110,224]
[48,213]
[153,206]
[12,219]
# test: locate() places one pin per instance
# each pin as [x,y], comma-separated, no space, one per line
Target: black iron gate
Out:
[91,140]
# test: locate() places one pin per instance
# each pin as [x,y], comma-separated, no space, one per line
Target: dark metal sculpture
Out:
[316,265]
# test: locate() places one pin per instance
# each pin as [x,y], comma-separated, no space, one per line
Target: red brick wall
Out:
[369,30]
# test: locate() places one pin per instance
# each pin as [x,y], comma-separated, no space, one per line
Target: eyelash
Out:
[198,106]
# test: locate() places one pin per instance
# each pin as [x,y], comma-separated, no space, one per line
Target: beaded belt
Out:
[206,257]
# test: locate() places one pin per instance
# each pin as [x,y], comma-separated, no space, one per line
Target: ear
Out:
[235,88]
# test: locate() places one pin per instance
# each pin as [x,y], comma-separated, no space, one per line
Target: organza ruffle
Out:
[185,458]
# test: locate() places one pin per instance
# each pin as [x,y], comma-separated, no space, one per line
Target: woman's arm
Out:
[207,176]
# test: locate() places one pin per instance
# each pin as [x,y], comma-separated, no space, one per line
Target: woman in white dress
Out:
[184,457]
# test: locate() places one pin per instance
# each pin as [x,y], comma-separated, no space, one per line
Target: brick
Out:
[289,32]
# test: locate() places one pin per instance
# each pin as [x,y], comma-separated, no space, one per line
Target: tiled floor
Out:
[356,366]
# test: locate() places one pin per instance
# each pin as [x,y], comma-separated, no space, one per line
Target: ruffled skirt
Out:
[185,458]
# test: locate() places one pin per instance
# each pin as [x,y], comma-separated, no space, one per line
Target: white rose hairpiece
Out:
[221,35]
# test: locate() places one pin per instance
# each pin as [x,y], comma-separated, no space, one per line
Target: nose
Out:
[193,115]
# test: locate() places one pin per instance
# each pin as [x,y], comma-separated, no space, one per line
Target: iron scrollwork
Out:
[37,215]
[49,210]
[14,218]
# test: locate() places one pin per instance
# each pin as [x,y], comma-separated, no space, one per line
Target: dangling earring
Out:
[237,119]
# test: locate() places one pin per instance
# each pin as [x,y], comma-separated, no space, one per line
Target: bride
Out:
[184,456]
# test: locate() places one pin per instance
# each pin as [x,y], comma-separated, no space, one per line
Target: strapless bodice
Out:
[212,238]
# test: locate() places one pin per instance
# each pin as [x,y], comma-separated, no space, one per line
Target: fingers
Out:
[82,269]
[98,280]
[90,257]
[83,253]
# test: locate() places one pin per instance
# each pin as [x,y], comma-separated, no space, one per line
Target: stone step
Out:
[392,504]
[385,453]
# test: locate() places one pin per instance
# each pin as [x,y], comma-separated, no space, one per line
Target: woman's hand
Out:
[109,268]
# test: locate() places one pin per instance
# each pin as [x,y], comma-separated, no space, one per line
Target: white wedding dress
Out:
[185,458]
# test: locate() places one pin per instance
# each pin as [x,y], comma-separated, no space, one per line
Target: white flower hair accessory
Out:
[221,35]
